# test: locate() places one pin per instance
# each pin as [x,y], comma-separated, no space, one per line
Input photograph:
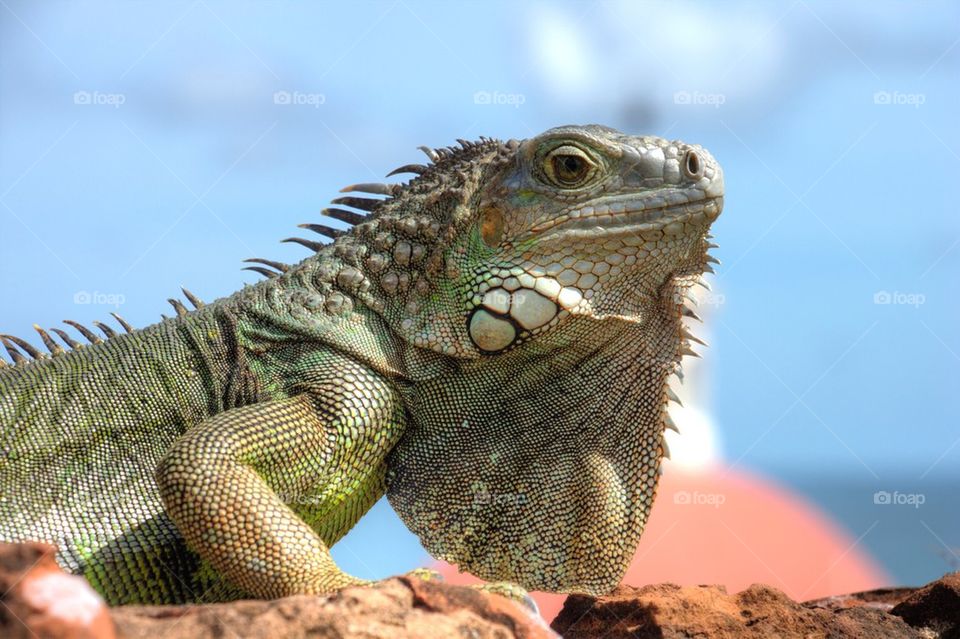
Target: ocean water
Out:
[910,525]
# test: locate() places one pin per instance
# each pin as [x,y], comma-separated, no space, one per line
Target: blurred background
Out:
[148,145]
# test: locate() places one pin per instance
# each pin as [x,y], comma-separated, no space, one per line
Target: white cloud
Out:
[620,54]
[561,52]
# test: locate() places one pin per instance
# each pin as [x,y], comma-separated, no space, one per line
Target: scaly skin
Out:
[489,347]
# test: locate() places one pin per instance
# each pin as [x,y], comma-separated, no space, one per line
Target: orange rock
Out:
[935,606]
[40,601]
[668,611]
[395,608]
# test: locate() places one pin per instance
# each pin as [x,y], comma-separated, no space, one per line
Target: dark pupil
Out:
[569,167]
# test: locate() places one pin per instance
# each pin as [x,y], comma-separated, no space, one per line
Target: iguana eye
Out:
[568,167]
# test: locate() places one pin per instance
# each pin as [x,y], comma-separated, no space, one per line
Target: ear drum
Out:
[491,227]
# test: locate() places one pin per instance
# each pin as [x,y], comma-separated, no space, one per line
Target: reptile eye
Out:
[692,167]
[568,167]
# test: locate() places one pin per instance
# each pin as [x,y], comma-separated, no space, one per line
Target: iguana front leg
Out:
[227,483]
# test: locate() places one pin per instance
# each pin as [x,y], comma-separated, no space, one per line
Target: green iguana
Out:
[489,345]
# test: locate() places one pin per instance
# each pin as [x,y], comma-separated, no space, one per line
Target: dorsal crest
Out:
[23,352]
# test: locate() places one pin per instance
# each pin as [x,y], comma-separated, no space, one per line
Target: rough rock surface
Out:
[399,607]
[935,606]
[882,598]
[667,611]
[38,600]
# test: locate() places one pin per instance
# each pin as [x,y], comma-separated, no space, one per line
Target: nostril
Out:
[692,166]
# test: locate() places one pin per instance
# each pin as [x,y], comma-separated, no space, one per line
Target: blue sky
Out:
[142,147]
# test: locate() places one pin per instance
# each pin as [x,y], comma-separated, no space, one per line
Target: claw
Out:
[426,574]
[513,592]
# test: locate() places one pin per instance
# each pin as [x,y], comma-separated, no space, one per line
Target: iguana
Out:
[489,345]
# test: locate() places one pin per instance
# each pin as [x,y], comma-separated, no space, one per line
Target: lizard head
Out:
[580,221]
[586,221]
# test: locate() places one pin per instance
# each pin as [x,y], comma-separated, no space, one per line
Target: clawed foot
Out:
[511,591]
[425,574]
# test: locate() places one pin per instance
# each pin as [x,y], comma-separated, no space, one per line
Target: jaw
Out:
[631,255]
[614,216]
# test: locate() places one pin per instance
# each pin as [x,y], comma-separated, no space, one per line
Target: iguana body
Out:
[489,347]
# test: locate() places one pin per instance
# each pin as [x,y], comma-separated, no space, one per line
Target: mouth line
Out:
[618,218]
